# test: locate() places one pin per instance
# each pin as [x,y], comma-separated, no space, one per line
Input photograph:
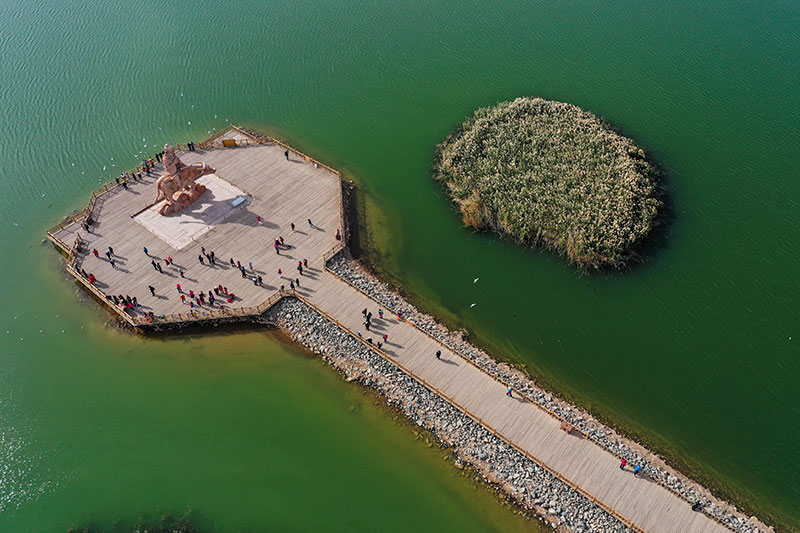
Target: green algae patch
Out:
[551,174]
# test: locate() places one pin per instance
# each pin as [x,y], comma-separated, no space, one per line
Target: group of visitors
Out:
[367,314]
[207,298]
[637,468]
[201,298]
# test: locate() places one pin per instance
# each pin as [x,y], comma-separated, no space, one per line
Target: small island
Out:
[550,173]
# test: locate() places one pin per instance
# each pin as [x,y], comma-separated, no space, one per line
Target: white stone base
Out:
[180,229]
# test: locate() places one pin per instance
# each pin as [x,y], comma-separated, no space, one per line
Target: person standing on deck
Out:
[622,464]
[95,252]
[508,393]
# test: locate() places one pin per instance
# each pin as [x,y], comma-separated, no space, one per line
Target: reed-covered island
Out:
[552,174]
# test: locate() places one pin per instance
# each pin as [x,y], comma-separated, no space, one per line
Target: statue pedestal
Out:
[203,213]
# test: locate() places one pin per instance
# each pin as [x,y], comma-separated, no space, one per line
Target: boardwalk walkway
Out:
[647,504]
[284,187]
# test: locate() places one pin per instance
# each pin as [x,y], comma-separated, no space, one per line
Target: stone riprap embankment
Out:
[530,486]
[653,467]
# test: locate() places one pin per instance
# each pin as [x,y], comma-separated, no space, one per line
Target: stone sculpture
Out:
[177,185]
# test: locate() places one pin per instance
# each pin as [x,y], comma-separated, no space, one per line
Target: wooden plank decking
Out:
[647,504]
[293,191]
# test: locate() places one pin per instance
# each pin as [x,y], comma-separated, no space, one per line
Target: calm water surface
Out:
[696,349]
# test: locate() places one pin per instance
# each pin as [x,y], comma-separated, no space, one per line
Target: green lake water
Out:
[695,349]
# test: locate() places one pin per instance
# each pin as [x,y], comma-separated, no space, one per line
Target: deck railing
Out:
[333,251]
[610,510]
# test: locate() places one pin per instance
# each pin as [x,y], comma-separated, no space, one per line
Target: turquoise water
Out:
[691,349]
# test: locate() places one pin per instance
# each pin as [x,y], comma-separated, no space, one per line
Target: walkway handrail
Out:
[613,512]
[332,252]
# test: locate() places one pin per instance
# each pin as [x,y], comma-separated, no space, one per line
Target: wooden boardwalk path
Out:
[648,505]
[284,191]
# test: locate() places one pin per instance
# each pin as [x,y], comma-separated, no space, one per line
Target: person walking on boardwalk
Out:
[364,312]
[297,282]
[95,252]
[305,263]
[385,338]
[178,286]
[380,344]
[310,224]
[280,273]
[144,249]
[259,221]
[622,464]
[292,225]
[291,284]
[277,248]
[300,268]
[366,325]
[233,263]
[108,255]
[158,267]
[111,250]
[380,313]
[508,393]
[200,258]
[259,280]
[636,469]
[180,271]
[286,154]
[113,264]
[152,290]
[438,354]
[250,264]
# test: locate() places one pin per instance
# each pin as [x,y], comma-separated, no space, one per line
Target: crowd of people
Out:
[214,298]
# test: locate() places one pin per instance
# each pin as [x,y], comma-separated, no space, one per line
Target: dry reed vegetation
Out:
[553,174]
